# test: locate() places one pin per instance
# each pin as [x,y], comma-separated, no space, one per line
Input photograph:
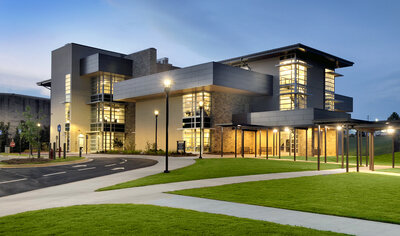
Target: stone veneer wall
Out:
[223,105]
[130,116]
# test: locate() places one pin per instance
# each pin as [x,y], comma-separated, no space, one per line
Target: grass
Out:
[14,154]
[20,161]
[128,219]
[391,170]
[218,167]
[383,159]
[358,195]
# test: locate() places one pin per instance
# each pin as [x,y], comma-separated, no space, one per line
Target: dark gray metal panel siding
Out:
[345,104]
[233,77]
[194,77]
[106,63]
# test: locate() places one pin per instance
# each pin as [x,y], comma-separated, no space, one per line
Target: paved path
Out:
[82,192]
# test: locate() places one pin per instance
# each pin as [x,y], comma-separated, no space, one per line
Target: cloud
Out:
[12,83]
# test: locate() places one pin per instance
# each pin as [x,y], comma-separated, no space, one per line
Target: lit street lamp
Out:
[39,146]
[201,106]
[167,89]
[155,138]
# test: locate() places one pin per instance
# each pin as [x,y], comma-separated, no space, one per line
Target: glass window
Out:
[68,88]
[329,90]
[192,138]
[293,84]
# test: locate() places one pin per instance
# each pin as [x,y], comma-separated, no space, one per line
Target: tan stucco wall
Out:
[145,122]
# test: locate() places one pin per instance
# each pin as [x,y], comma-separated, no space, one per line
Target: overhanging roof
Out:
[45,83]
[336,62]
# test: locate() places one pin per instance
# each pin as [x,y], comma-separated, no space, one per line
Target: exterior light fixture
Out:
[275,130]
[339,127]
[167,89]
[155,136]
[201,106]
[38,124]
[390,130]
[376,119]
[286,129]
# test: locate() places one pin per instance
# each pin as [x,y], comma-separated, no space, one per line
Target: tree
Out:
[4,130]
[20,143]
[394,116]
[30,130]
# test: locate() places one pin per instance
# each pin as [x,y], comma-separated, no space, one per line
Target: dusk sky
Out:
[193,32]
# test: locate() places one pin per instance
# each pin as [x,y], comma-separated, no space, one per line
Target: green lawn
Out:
[14,154]
[383,159]
[391,170]
[222,167]
[21,161]
[358,195]
[128,219]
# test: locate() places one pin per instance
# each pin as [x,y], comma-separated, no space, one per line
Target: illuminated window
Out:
[68,88]
[192,138]
[67,112]
[104,82]
[293,84]
[329,90]
[191,104]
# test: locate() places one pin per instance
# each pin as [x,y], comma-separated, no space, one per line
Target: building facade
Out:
[104,98]
[12,107]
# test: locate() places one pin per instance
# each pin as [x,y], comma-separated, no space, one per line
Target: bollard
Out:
[80,151]
[38,154]
[54,150]
[65,150]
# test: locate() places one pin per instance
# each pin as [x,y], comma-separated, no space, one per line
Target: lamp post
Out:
[391,132]
[201,105]
[167,89]
[19,134]
[155,137]
[39,146]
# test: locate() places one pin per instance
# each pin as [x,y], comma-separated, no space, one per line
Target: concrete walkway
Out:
[82,192]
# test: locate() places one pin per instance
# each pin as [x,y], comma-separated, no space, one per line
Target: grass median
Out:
[358,195]
[26,161]
[222,167]
[129,219]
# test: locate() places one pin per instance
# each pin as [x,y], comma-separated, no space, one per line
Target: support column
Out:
[260,144]
[342,148]
[294,143]
[306,144]
[222,141]
[290,142]
[393,150]
[347,148]
[255,143]
[361,139]
[266,140]
[337,146]
[318,147]
[273,143]
[235,141]
[366,149]
[279,141]
[242,143]
[312,141]
[357,146]
[325,129]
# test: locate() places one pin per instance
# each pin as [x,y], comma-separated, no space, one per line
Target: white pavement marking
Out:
[78,166]
[12,181]
[90,168]
[122,162]
[110,165]
[118,168]
[56,173]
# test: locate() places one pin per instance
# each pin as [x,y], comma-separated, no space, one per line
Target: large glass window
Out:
[329,89]
[293,84]
[68,88]
[192,138]
[67,112]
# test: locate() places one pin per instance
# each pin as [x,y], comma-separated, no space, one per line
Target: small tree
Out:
[20,143]
[4,128]
[30,130]
[394,116]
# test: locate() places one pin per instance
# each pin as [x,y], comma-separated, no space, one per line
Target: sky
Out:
[193,32]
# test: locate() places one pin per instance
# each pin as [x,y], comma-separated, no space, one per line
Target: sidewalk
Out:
[82,192]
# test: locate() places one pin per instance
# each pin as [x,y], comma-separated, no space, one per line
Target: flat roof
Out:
[301,48]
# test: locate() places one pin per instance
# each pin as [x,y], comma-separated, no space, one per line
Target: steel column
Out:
[318,147]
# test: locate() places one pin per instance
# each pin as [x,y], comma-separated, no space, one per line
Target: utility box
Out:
[7,150]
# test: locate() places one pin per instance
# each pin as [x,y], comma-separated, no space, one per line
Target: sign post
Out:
[1,142]
[59,140]
[12,144]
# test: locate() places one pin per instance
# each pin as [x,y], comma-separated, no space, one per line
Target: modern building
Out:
[101,97]
[12,107]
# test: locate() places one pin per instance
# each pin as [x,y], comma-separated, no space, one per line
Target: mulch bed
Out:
[17,161]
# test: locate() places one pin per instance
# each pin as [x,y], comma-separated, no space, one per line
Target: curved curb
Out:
[46,164]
